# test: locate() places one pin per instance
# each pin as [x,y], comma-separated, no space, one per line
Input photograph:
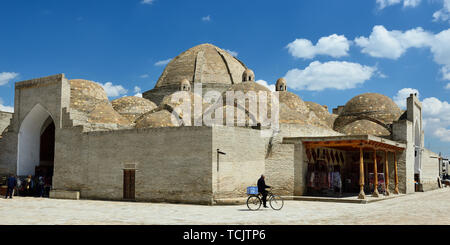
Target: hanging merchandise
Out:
[332,157]
[381,183]
[308,154]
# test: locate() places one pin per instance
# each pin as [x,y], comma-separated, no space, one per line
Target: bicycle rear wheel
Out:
[276,202]
[253,203]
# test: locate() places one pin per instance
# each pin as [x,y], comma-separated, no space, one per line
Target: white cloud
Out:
[144,76]
[443,134]
[334,74]
[333,45]
[441,52]
[138,91]
[406,3]
[163,62]
[393,44]
[113,90]
[385,3]
[411,3]
[147,1]
[444,13]
[233,53]
[436,114]
[5,77]
[5,108]
[271,87]
[448,86]
[402,95]
[206,18]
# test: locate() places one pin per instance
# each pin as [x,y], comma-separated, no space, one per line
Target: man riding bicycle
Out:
[262,189]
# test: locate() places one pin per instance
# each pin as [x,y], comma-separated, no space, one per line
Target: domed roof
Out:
[322,114]
[175,101]
[159,119]
[231,116]
[248,75]
[291,116]
[293,101]
[245,88]
[204,63]
[371,106]
[281,85]
[250,86]
[185,85]
[85,95]
[132,107]
[294,110]
[364,127]
[105,114]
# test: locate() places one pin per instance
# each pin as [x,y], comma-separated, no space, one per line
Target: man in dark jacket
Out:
[262,189]
[11,182]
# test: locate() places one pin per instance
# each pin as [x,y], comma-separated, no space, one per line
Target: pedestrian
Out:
[29,185]
[41,186]
[18,186]
[11,182]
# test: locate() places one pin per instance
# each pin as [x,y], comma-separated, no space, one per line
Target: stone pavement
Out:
[428,208]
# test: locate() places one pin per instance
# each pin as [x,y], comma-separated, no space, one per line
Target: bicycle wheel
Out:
[253,203]
[276,202]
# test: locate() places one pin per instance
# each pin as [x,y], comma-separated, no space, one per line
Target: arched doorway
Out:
[36,146]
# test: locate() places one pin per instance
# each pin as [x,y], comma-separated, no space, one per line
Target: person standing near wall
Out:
[41,186]
[29,185]
[11,183]
[18,186]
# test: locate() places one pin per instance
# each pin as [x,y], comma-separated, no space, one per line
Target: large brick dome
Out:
[204,63]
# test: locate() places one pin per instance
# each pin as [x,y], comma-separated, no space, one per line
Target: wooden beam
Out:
[361,195]
[396,174]
[386,174]
[375,175]
[330,144]
[352,144]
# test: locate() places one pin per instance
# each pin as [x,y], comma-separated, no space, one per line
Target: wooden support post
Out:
[375,175]
[396,174]
[361,195]
[386,174]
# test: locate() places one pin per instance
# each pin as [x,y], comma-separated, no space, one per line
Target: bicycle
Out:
[254,201]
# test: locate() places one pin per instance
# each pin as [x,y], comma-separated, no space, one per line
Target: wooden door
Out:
[129,184]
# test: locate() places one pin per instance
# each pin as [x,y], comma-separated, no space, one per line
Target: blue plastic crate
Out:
[252,190]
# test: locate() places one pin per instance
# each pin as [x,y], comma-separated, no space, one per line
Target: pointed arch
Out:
[29,139]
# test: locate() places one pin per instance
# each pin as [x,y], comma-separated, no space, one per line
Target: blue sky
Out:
[385,46]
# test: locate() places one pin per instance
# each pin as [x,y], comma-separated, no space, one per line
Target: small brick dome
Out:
[159,119]
[132,107]
[85,95]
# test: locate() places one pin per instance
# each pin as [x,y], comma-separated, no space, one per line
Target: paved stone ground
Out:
[427,208]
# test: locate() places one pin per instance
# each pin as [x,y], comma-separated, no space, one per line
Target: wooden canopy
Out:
[348,142]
